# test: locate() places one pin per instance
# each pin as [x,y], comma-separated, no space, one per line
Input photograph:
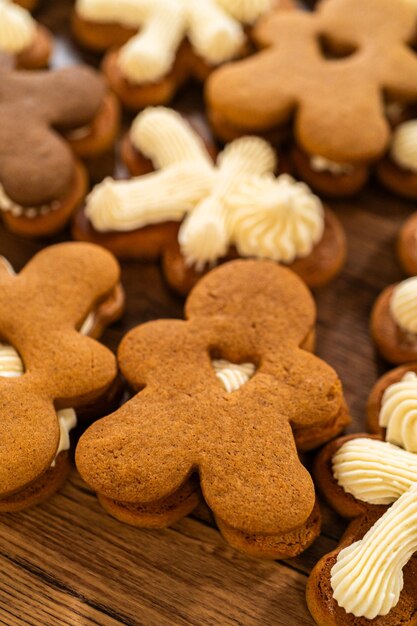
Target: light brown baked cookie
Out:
[50,367]
[41,181]
[325,73]
[219,207]
[407,245]
[227,396]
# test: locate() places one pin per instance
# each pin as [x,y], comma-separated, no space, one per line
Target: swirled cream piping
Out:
[246,11]
[403,305]
[367,578]
[374,471]
[17,28]
[11,366]
[321,164]
[399,413]
[278,219]
[214,28]
[204,235]
[231,375]
[404,146]
[164,137]
[237,202]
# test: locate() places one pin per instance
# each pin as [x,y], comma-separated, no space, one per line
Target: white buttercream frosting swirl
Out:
[236,201]
[17,28]
[399,412]
[367,578]
[403,305]
[373,471]
[404,145]
[214,28]
[278,219]
[232,375]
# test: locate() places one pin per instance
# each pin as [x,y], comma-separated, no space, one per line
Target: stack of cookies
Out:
[234,193]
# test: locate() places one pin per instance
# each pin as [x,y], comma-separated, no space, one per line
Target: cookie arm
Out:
[400,74]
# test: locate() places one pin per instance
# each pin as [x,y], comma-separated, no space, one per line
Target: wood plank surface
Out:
[68,563]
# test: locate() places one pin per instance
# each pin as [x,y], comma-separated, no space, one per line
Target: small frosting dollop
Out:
[404,145]
[403,305]
[374,471]
[278,219]
[367,578]
[17,28]
[319,163]
[11,364]
[399,413]
[232,375]
[213,27]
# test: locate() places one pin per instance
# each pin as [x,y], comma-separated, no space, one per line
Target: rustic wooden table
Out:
[67,563]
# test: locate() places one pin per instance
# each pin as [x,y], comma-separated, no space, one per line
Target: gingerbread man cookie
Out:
[29,43]
[241,441]
[196,213]
[394,322]
[41,182]
[49,367]
[371,577]
[177,40]
[325,73]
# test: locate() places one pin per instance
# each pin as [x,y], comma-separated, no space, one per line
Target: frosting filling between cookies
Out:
[232,375]
[17,28]
[367,578]
[213,27]
[404,146]
[17,210]
[322,165]
[237,202]
[403,306]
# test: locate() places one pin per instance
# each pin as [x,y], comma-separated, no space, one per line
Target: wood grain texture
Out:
[68,563]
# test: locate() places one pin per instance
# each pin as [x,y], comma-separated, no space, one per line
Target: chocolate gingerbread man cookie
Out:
[371,577]
[223,399]
[49,368]
[46,116]
[195,213]
[164,43]
[325,74]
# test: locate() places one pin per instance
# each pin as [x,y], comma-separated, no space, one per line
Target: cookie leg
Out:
[158,514]
[274,546]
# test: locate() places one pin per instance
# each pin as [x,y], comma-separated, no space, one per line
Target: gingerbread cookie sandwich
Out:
[407,245]
[324,74]
[164,43]
[223,400]
[371,577]
[398,170]
[195,212]
[394,322]
[49,117]
[50,367]
[21,37]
